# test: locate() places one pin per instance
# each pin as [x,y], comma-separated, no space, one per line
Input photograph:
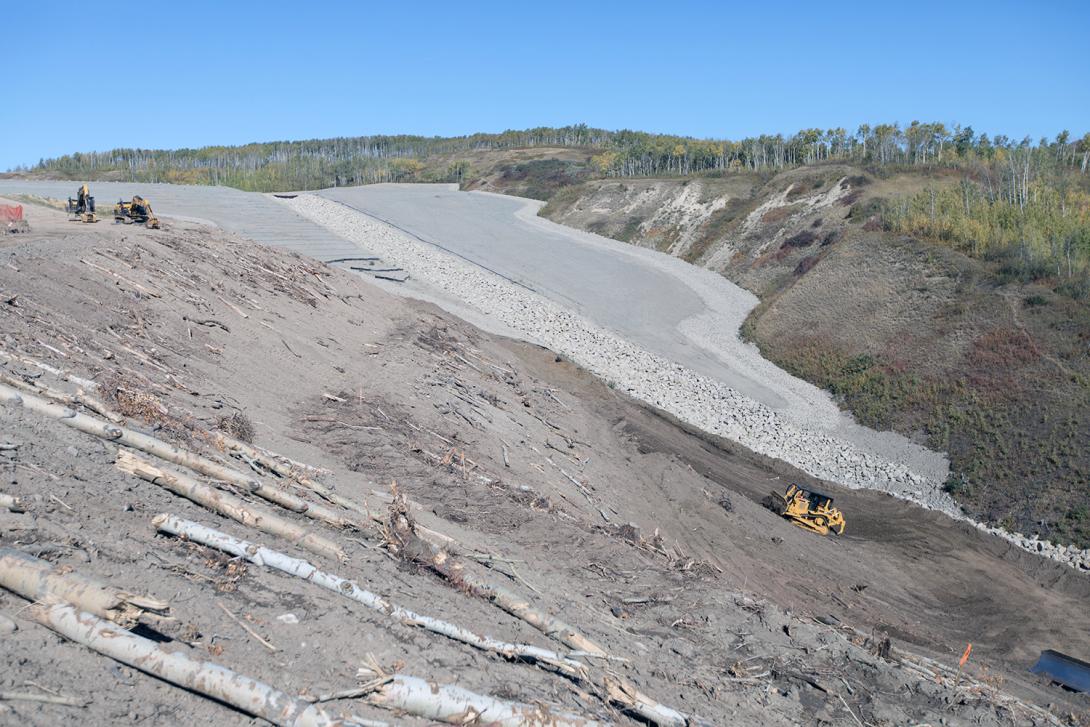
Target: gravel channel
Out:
[691,397]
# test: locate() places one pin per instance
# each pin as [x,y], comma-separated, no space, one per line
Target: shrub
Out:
[238,425]
[806,265]
[801,239]
[855,181]
[865,209]
[1078,289]
[851,198]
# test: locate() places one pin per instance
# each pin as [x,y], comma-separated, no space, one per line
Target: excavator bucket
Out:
[1063,669]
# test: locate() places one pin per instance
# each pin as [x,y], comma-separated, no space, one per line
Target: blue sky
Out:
[186,74]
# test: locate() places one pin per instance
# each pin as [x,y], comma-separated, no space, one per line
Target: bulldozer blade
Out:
[1066,670]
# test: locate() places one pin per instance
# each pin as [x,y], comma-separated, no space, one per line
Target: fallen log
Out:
[521,608]
[170,453]
[403,541]
[176,455]
[227,505]
[260,555]
[81,397]
[131,283]
[211,680]
[455,705]
[59,373]
[278,463]
[39,580]
[42,699]
[281,465]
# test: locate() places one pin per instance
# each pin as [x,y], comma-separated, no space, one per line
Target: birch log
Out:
[275,462]
[59,373]
[455,705]
[39,580]
[403,541]
[63,397]
[227,505]
[521,608]
[211,680]
[169,452]
[262,556]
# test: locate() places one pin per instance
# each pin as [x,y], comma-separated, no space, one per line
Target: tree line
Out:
[286,165]
[632,154]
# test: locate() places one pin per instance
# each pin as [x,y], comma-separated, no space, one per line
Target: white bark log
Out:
[278,463]
[455,705]
[228,505]
[59,373]
[403,540]
[520,607]
[211,680]
[260,555]
[65,398]
[168,452]
[39,580]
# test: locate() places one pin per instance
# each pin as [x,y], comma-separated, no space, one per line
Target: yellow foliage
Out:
[1052,224]
[605,162]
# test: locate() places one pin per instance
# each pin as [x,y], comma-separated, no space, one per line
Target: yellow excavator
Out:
[82,208]
[808,509]
[137,211]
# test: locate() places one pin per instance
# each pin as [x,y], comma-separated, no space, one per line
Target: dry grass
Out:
[130,396]
[238,425]
[777,214]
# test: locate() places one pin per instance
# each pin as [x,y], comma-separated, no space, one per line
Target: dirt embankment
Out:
[909,336]
[640,534]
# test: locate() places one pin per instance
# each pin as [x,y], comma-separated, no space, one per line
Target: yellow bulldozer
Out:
[138,211]
[808,509]
[82,208]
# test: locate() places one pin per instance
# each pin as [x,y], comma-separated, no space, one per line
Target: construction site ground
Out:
[647,536]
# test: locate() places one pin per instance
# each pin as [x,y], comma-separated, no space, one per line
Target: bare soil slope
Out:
[643,535]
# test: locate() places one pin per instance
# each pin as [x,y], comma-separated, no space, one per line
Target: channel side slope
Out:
[683,313]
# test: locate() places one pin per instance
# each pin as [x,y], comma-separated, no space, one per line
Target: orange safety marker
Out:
[961,663]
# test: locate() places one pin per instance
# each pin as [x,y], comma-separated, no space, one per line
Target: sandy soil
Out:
[660,553]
